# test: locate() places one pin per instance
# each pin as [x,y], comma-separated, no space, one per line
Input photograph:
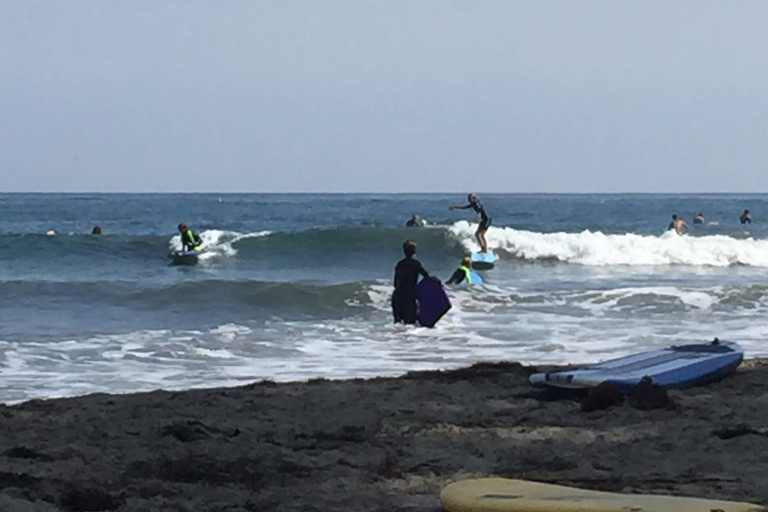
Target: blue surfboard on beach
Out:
[673,367]
[484,261]
[433,302]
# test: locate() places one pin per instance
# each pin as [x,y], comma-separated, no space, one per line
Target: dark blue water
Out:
[297,285]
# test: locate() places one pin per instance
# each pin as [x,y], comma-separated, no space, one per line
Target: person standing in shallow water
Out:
[699,219]
[677,224]
[404,307]
[745,217]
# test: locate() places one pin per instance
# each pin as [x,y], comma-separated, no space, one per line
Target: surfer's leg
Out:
[398,317]
[480,235]
[410,311]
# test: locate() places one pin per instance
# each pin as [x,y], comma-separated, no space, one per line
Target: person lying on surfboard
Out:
[407,272]
[462,273]
[482,217]
[189,241]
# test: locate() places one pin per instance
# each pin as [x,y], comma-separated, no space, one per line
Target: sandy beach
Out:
[383,444]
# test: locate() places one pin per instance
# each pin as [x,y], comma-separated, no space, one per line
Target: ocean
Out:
[297,286]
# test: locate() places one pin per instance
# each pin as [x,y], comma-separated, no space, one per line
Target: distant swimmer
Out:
[464,272]
[407,271]
[415,222]
[745,217]
[96,230]
[190,241]
[482,216]
[699,219]
[677,224]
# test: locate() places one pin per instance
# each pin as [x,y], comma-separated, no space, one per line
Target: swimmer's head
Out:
[182,227]
[96,230]
[472,198]
[674,217]
[467,262]
[409,247]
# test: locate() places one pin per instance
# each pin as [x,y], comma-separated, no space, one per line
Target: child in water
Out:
[462,273]
[407,271]
[482,216]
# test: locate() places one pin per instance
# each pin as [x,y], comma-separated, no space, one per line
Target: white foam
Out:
[218,243]
[598,249]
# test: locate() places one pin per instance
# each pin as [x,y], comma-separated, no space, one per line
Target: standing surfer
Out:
[190,241]
[482,217]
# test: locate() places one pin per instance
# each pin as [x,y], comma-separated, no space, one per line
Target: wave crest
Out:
[598,249]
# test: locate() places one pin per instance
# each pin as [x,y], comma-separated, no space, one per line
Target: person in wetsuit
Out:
[745,217]
[407,271]
[190,241]
[482,216]
[699,219]
[462,273]
[415,222]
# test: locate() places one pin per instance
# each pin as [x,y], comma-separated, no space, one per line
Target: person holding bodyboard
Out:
[404,299]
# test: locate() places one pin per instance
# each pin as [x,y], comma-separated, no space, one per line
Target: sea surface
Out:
[298,286]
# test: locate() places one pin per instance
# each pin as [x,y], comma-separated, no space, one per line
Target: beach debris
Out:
[648,395]
[742,429]
[601,397]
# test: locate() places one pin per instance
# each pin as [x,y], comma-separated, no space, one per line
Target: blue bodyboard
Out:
[433,302]
[673,367]
[484,261]
[476,279]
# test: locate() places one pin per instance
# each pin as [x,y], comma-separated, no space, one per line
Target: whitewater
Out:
[298,286]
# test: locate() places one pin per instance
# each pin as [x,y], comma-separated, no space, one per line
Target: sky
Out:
[383,96]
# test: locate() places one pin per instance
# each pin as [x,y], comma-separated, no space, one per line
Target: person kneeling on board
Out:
[407,271]
[190,241]
[462,273]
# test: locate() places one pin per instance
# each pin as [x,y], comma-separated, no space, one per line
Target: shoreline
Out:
[384,443]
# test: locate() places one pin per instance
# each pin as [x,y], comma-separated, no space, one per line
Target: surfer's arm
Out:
[425,273]
[460,206]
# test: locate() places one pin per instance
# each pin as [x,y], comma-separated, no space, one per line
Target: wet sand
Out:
[387,444]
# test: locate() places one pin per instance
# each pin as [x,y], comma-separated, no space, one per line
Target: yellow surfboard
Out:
[504,495]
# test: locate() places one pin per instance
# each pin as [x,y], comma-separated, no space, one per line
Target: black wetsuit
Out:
[485,220]
[413,223]
[457,277]
[189,240]
[404,307]
[745,218]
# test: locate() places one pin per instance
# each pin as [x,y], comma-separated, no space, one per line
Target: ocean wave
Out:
[326,247]
[598,249]
[252,298]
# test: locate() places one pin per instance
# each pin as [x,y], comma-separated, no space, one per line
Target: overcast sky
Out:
[384,96]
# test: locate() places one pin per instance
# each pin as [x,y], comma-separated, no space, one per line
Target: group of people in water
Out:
[408,270]
[678,225]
